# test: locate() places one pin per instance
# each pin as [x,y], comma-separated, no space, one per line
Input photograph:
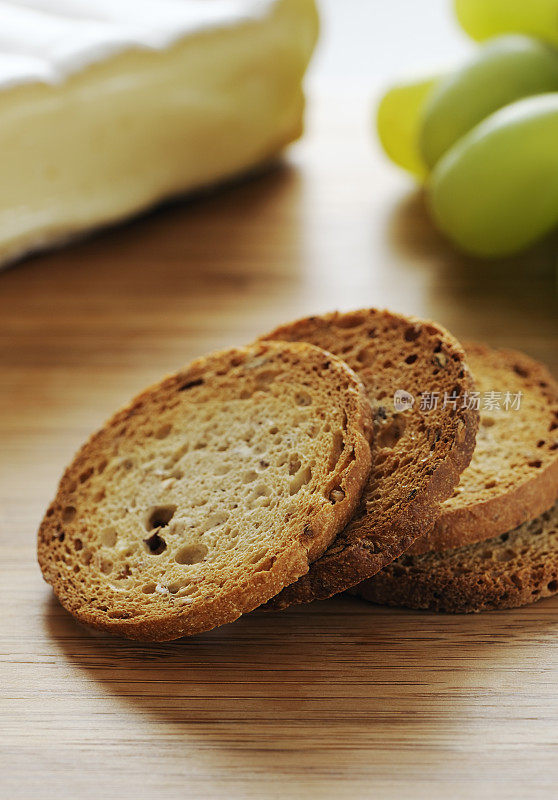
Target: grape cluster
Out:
[484,137]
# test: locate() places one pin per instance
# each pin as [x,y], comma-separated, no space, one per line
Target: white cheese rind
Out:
[54,39]
[97,139]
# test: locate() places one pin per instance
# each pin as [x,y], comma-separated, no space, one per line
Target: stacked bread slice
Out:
[307,464]
[210,492]
[417,455]
[495,545]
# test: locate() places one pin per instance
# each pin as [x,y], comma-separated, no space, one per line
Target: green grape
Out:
[503,70]
[398,122]
[482,19]
[496,190]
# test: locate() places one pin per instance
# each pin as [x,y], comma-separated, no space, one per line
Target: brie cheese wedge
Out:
[109,106]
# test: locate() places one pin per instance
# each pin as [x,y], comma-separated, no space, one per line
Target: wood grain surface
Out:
[336,700]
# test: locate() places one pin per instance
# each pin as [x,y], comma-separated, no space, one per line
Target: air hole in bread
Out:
[303,399]
[388,364]
[294,464]
[258,556]
[412,333]
[490,484]
[106,566]
[159,517]
[552,586]
[366,356]
[99,496]
[155,544]
[213,520]
[186,590]
[163,431]
[411,359]
[249,476]
[536,463]
[190,385]
[336,495]
[78,544]
[124,573]
[191,554]
[102,466]
[263,379]
[521,371]
[149,588]
[199,501]
[349,321]
[266,564]
[541,443]
[69,513]
[109,537]
[84,477]
[260,496]
[302,478]
[175,587]
[177,455]
[337,446]
[391,432]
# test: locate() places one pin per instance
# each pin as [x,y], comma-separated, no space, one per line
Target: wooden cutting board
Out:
[336,700]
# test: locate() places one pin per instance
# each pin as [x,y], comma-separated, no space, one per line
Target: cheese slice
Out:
[109,106]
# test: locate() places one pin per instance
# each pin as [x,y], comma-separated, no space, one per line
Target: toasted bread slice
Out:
[418,454]
[513,475]
[209,493]
[508,571]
